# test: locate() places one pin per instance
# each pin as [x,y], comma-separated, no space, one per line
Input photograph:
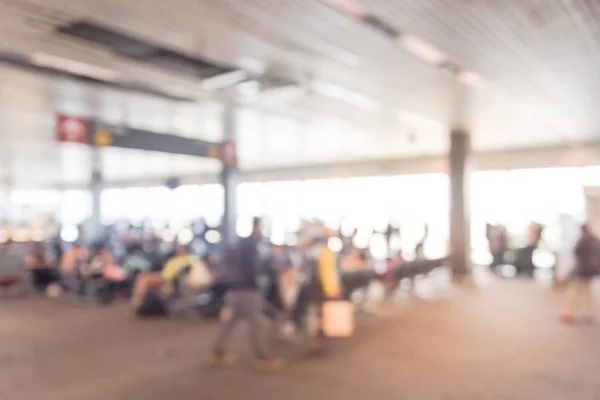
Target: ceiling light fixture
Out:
[73,67]
[351,8]
[422,50]
[471,79]
[345,95]
[225,80]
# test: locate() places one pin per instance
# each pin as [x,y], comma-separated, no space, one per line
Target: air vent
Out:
[139,50]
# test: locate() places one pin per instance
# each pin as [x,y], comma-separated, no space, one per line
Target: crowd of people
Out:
[251,280]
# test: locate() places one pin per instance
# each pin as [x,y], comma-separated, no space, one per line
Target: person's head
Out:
[97,248]
[133,246]
[585,230]
[256,226]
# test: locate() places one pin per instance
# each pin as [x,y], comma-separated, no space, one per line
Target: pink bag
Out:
[114,273]
[338,318]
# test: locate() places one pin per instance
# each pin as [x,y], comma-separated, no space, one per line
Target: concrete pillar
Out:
[94,226]
[229,175]
[460,214]
[5,198]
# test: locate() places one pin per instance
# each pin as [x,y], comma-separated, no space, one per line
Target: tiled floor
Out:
[498,342]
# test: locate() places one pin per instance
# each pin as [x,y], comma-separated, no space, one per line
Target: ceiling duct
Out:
[130,47]
[50,67]
[274,89]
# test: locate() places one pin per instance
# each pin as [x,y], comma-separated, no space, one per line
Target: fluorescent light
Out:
[422,50]
[352,8]
[73,67]
[253,65]
[471,79]
[225,80]
[346,95]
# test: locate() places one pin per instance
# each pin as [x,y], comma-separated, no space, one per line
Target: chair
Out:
[14,274]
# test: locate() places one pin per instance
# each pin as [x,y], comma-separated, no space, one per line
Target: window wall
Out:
[513,198]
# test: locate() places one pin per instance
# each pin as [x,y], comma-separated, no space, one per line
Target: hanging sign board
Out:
[139,139]
[81,130]
[73,129]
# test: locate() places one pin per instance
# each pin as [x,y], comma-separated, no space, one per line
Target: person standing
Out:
[245,301]
[587,255]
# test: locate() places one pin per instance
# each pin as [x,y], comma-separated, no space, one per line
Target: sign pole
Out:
[94,228]
[229,177]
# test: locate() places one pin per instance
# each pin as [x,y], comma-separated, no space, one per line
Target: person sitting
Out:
[70,268]
[154,292]
[355,261]
[320,282]
[136,260]
[12,273]
[41,270]
[387,278]
[99,257]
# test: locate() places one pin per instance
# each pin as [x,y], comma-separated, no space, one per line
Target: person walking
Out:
[587,255]
[245,301]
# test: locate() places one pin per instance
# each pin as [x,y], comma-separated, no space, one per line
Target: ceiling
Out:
[358,94]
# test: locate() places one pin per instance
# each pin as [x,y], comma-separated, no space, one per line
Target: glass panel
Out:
[76,207]
[213,197]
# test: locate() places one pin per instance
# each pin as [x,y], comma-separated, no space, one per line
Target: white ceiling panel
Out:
[359,94]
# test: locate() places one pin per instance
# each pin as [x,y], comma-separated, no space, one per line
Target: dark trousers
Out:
[245,304]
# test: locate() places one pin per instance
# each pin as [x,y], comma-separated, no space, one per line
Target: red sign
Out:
[72,129]
[229,153]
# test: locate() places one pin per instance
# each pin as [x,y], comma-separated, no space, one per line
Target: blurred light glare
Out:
[335,244]
[482,257]
[332,223]
[213,237]
[185,237]
[69,234]
[378,247]
[347,228]
[508,271]
[543,259]
[243,227]
[361,240]
[422,50]
[167,235]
